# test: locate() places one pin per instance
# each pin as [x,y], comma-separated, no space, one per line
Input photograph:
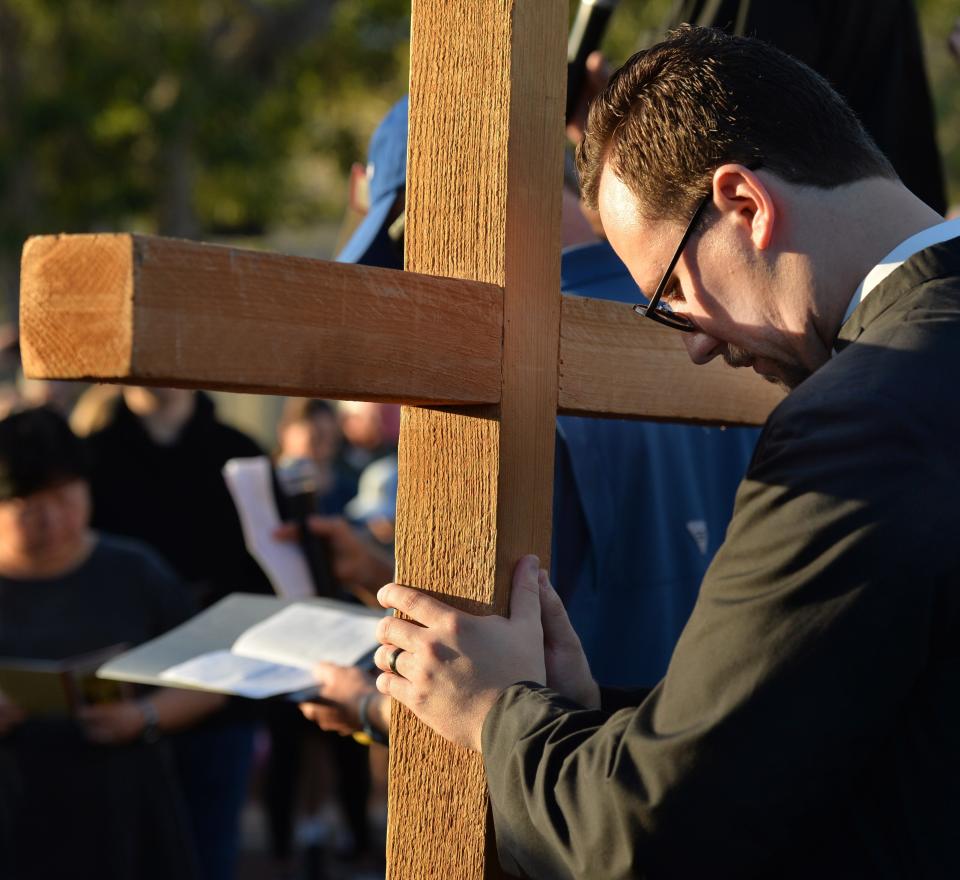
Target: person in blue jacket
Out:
[640,508]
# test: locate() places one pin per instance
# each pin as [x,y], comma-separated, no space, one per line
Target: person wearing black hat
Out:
[98,782]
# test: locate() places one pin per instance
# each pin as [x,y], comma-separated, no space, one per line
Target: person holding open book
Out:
[86,782]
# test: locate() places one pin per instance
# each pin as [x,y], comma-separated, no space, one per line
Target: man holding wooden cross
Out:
[808,723]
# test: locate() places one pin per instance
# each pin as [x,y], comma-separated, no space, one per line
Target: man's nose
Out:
[702,347]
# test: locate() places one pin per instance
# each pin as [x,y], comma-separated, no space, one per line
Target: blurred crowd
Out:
[115,526]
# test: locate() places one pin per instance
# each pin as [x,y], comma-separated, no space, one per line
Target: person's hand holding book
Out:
[344,689]
[113,724]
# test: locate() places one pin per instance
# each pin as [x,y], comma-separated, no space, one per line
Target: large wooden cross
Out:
[474,338]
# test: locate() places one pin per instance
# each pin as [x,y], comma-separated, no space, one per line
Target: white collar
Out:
[899,255]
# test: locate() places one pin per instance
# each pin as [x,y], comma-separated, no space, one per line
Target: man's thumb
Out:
[525,596]
[557,629]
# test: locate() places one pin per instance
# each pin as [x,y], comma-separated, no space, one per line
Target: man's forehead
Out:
[639,242]
[616,203]
[619,207]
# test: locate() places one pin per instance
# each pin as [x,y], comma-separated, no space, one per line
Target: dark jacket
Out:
[809,722]
[174,497]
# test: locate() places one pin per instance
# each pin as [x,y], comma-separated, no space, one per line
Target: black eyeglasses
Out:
[659,311]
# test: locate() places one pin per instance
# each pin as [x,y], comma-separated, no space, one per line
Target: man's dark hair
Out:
[37,451]
[677,111]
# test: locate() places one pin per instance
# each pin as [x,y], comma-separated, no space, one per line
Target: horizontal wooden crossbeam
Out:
[153,311]
[614,364]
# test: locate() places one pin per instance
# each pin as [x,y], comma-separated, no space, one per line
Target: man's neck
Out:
[166,425]
[865,222]
[163,416]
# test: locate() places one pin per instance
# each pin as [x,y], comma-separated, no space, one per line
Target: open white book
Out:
[252,646]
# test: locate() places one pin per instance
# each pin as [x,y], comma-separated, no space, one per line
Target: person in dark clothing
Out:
[156,476]
[871,53]
[91,794]
[808,721]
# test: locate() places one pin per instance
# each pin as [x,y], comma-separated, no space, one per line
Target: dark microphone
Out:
[586,34]
[298,483]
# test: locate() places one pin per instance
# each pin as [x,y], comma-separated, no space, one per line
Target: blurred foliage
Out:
[637,23]
[937,18]
[231,117]
[188,117]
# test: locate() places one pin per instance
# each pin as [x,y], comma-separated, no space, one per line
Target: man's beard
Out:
[787,376]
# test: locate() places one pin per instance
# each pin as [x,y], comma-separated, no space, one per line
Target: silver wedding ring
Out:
[394,654]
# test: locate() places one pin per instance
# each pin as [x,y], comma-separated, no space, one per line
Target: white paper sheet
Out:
[244,676]
[248,480]
[302,635]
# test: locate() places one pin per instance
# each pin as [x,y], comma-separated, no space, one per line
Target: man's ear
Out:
[740,194]
[359,189]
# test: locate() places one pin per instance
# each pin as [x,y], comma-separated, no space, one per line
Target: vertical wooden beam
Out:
[483,203]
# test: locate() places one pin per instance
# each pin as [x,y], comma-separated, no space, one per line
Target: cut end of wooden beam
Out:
[76,306]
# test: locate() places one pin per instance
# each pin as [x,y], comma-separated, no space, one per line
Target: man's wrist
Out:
[380,709]
[366,709]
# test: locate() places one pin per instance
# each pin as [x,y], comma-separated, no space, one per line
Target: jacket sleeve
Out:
[811,627]
[613,699]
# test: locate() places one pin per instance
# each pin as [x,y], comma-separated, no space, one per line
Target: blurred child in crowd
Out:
[309,437]
[371,431]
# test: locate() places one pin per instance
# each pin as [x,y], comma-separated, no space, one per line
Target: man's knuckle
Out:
[412,600]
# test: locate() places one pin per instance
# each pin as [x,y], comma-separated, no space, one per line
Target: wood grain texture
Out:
[483,202]
[76,306]
[613,363]
[157,311]
[146,310]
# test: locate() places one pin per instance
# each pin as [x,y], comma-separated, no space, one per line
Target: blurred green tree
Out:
[186,117]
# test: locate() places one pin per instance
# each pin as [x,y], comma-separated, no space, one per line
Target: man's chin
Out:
[786,376]
[776,380]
